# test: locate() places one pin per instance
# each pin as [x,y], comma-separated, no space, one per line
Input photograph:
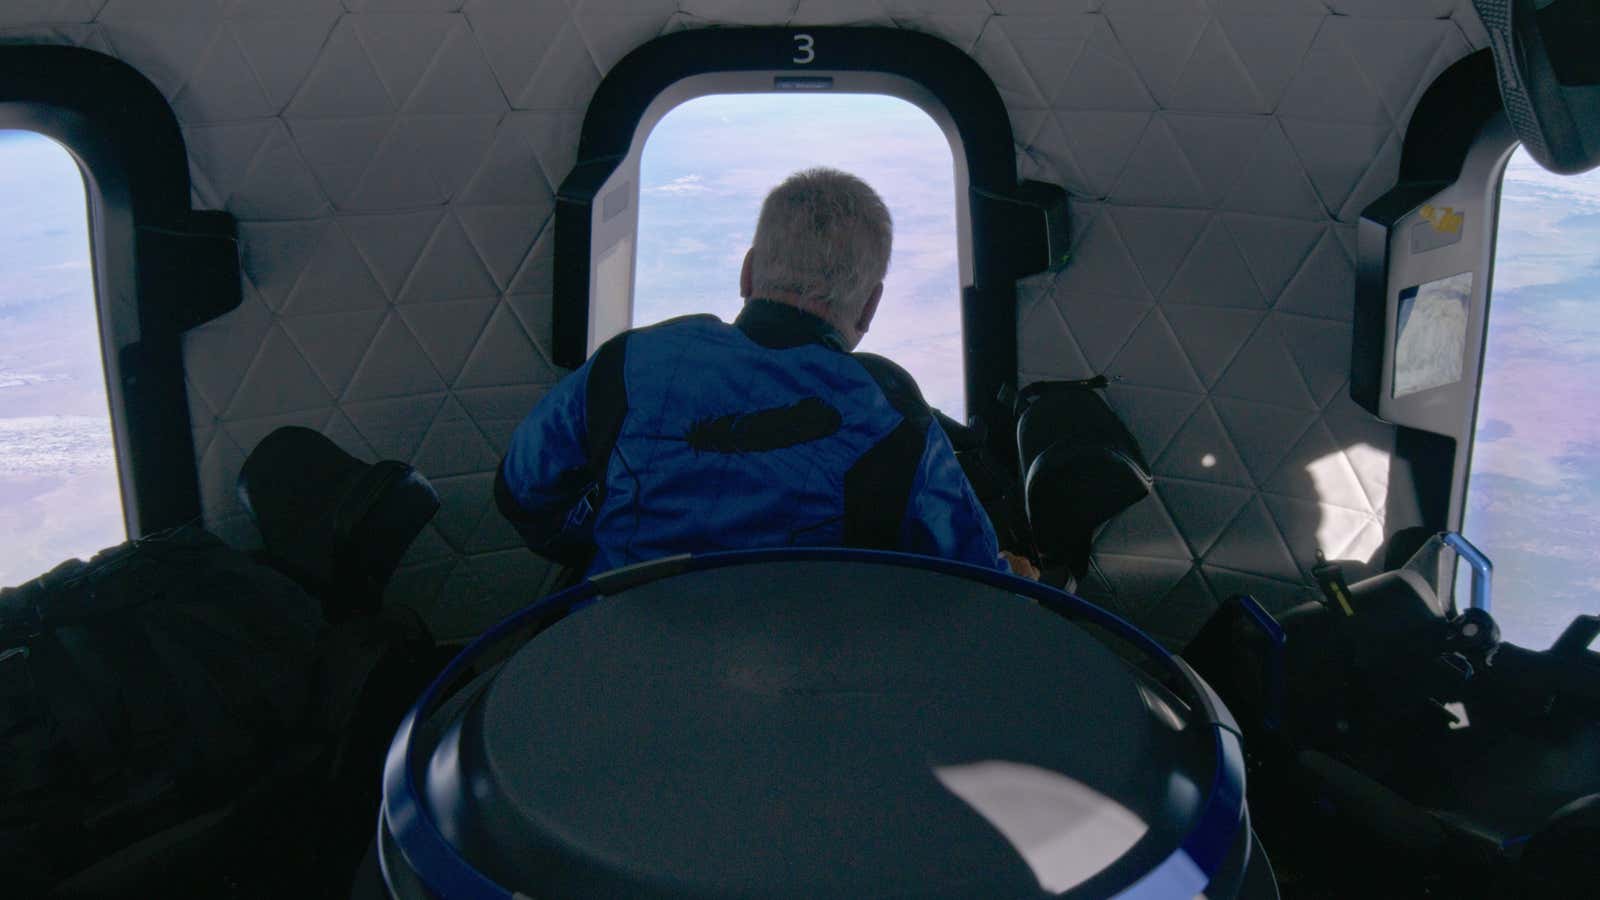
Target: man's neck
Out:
[779,325]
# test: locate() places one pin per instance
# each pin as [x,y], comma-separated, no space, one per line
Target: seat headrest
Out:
[337,525]
[1080,464]
[1051,412]
[1071,490]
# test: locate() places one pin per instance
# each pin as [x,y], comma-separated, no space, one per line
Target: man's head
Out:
[822,245]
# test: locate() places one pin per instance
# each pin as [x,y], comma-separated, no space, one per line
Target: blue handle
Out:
[1276,639]
[1482,568]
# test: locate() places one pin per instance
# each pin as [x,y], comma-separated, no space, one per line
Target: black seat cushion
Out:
[1080,466]
[337,525]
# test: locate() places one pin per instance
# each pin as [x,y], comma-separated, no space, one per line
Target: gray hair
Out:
[823,236]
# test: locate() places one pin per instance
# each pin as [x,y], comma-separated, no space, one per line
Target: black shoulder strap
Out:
[897,385]
[878,487]
[607,395]
[606,406]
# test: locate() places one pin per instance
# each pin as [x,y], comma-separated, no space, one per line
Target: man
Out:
[694,435]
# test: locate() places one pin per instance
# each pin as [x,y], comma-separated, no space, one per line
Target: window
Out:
[709,163]
[1533,498]
[59,490]
[999,235]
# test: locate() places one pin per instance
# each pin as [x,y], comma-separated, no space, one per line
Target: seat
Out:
[335,524]
[1080,467]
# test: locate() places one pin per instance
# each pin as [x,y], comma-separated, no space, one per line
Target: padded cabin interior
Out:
[392,166]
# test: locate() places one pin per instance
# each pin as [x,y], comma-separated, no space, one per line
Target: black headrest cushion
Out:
[334,523]
[1080,466]
[1071,490]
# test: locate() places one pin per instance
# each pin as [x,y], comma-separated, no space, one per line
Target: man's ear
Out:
[745,278]
[869,309]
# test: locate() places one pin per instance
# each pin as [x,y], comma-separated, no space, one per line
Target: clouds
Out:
[32,446]
[11,379]
[1543,543]
[47,308]
[686,246]
[1490,430]
[44,521]
[1549,226]
[1541,378]
[44,253]
[58,476]
[683,184]
[1533,502]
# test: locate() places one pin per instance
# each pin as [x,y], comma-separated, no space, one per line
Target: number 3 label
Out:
[803,52]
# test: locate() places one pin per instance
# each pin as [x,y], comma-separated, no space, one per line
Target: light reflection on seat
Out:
[1065,831]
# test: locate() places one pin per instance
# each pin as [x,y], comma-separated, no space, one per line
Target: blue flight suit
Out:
[694,436]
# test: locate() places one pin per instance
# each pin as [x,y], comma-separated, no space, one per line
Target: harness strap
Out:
[606,405]
[877,489]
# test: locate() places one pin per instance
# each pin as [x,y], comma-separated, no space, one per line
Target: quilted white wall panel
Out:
[393,166]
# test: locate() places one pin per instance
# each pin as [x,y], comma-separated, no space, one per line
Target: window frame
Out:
[1451,410]
[926,71]
[722,83]
[159,267]
[1456,145]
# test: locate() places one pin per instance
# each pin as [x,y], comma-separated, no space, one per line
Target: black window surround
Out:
[1456,146]
[160,267]
[943,72]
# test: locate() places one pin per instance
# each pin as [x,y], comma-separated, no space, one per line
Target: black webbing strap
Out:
[877,488]
[606,405]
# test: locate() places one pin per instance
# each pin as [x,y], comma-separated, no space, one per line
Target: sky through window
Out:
[1533,499]
[59,494]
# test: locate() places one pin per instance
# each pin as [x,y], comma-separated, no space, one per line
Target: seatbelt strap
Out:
[877,488]
[605,406]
